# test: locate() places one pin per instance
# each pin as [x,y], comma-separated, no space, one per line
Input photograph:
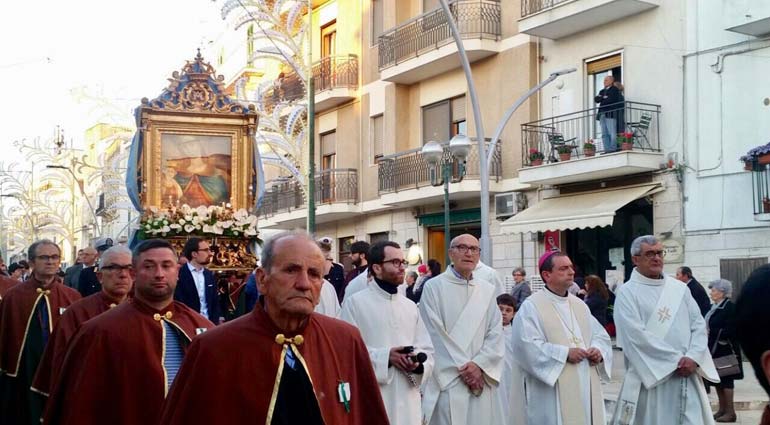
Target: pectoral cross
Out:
[664,314]
[576,341]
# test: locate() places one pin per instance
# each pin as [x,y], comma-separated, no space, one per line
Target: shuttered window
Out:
[377,20]
[458,109]
[328,143]
[603,64]
[378,136]
[738,270]
[436,122]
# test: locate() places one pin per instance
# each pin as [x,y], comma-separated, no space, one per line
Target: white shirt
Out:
[200,285]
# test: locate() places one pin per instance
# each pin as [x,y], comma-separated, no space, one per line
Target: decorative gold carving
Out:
[227,253]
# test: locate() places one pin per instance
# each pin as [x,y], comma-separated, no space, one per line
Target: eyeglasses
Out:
[652,254]
[48,257]
[204,249]
[118,267]
[396,262]
[465,248]
[330,259]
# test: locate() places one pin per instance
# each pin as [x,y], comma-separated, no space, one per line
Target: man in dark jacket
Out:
[696,289]
[609,106]
[197,286]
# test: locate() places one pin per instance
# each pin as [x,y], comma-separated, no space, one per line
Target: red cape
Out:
[53,356]
[228,374]
[6,283]
[16,312]
[113,369]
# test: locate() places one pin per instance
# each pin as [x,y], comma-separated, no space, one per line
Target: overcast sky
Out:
[58,58]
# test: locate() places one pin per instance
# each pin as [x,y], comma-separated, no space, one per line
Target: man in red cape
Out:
[115,276]
[120,364]
[6,283]
[281,364]
[28,313]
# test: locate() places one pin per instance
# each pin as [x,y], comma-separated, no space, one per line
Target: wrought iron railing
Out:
[573,130]
[334,72]
[429,31]
[334,186]
[760,183]
[329,73]
[409,170]
[530,7]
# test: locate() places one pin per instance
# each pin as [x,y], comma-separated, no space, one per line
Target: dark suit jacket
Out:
[88,282]
[700,296]
[187,293]
[722,324]
[72,275]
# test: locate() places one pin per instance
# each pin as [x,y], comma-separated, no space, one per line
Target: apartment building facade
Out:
[388,80]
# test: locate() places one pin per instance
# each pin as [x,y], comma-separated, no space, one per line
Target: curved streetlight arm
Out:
[485,241]
[509,113]
[82,192]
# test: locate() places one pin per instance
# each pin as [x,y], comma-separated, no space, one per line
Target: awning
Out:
[455,217]
[576,211]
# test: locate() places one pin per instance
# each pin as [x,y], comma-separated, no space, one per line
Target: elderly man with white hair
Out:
[722,343]
[663,337]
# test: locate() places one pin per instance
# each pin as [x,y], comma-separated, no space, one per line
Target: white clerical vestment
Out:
[465,325]
[488,274]
[386,321]
[328,305]
[664,397]
[543,361]
[512,384]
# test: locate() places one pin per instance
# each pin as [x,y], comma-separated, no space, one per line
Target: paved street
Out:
[750,398]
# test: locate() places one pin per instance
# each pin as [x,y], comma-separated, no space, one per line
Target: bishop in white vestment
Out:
[665,344]
[465,326]
[551,336]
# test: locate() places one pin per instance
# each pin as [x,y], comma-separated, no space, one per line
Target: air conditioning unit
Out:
[509,204]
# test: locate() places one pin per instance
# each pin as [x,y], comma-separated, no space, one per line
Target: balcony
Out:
[555,19]
[423,46]
[335,79]
[572,130]
[336,195]
[404,177]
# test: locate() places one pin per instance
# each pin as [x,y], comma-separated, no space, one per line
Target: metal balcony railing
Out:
[329,73]
[642,120]
[335,72]
[334,186]
[530,7]
[409,170]
[429,31]
[760,183]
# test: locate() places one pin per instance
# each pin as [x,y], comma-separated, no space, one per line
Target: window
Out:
[250,45]
[378,237]
[328,150]
[442,120]
[329,39]
[598,69]
[377,20]
[738,270]
[378,136]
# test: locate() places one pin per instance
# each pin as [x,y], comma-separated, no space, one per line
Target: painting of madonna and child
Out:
[197,169]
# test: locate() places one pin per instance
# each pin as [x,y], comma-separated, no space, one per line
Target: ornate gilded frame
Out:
[195,104]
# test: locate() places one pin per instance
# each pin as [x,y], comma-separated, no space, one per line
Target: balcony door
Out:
[596,70]
[328,50]
[328,162]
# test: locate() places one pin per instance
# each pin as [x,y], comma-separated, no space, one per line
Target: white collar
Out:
[193,269]
[644,280]
[555,298]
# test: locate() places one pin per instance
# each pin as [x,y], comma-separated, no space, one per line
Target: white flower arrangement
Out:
[187,221]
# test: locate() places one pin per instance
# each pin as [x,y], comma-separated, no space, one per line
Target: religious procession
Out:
[423,212]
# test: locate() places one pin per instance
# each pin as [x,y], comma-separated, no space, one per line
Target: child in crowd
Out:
[506,304]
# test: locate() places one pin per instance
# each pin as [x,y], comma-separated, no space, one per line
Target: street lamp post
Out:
[433,153]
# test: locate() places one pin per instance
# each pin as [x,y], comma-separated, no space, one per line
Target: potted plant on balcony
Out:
[626,141]
[589,148]
[758,156]
[565,152]
[535,157]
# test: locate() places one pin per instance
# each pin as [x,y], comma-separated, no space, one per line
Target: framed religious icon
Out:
[197,144]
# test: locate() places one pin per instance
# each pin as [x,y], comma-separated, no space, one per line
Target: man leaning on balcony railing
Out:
[609,99]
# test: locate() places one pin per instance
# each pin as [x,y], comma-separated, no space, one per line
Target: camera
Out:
[417,358]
